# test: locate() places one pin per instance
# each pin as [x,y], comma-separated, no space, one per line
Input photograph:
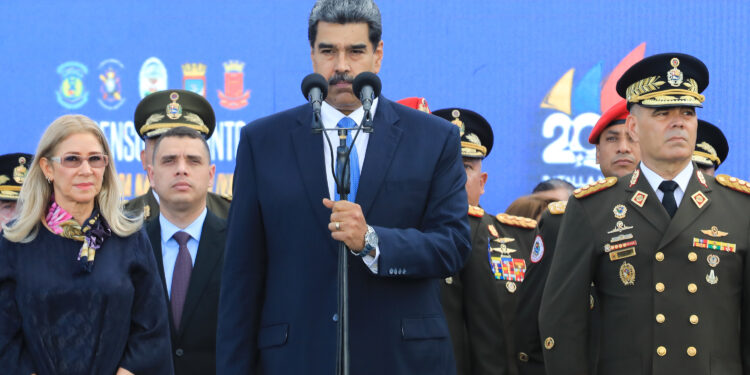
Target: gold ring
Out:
[337,225]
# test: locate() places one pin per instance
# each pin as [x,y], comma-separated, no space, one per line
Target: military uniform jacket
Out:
[147,204]
[476,304]
[674,293]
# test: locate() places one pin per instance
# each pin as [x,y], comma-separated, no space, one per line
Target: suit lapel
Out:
[381,148]
[153,229]
[308,147]
[652,209]
[210,251]
[688,211]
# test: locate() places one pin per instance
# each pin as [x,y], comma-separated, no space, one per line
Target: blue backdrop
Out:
[537,70]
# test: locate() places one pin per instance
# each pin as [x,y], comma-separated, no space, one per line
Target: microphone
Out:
[315,89]
[367,87]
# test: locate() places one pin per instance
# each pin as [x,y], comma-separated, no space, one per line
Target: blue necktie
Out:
[348,123]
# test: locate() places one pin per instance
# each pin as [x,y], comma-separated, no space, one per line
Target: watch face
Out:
[371,238]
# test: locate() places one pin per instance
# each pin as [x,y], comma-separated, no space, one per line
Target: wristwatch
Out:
[371,242]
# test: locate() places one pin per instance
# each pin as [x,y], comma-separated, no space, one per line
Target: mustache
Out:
[340,77]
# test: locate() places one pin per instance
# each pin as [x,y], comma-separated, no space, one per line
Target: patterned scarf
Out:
[93,233]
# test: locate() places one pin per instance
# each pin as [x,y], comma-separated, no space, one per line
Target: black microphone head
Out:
[314,80]
[366,79]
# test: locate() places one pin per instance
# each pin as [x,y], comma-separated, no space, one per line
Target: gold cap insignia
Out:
[174,109]
[457,121]
[674,75]
[19,172]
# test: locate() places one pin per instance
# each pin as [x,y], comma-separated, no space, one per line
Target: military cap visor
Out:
[13,170]
[476,133]
[163,110]
[665,80]
[615,115]
[711,146]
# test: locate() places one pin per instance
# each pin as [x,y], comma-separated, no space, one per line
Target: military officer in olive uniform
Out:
[479,301]
[711,147]
[13,170]
[154,116]
[667,247]
[617,155]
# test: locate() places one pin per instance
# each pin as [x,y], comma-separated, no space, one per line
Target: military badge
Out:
[19,172]
[234,96]
[457,121]
[711,278]
[493,231]
[622,254]
[591,302]
[72,93]
[174,109]
[634,177]
[537,249]
[110,88]
[701,179]
[449,280]
[152,77]
[621,237]
[714,245]
[504,267]
[714,232]
[609,247]
[194,78]
[627,274]
[504,240]
[674,75]
[620,211]
[699,199]
[713,260]
[511,286]
[619,227]
[639,198]
[146,212]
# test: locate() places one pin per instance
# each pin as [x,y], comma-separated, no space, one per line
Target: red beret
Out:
[416,103]
[619,111]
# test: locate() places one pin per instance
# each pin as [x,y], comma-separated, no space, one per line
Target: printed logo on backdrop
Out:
[194,78]
[111,86]
[569,113]
[233,96]
[152,77]
[72,93]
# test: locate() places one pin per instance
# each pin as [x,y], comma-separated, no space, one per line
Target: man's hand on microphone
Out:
[351,222]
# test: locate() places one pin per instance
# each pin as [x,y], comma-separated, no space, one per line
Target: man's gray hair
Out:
[343,12]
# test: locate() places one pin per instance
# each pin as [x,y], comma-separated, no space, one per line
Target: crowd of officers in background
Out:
[493,304]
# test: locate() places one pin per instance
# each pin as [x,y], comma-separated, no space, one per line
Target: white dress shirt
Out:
[170,247]
[681,179]
[331,117]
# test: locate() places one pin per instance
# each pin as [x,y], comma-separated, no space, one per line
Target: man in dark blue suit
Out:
[406,226]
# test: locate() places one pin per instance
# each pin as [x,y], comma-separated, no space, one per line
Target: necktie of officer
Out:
[348,123]
[668,201]
[183,267]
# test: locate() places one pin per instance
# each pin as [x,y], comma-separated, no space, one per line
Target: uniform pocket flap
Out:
[274,335]
[424,328]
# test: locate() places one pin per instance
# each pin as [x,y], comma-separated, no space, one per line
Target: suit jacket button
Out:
[692,351]
[179,352]
[523,357]
[661,351]
[692,288]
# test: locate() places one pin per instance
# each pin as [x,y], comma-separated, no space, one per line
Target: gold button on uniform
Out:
[692,351]
[692,288]
[523,357]
[659,287]
[693,319]
[449,280]
[549,343]
[660,318]
[659,256]
[692,256]
[661,351]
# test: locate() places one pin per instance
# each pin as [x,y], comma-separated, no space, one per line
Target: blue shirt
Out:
[170,247]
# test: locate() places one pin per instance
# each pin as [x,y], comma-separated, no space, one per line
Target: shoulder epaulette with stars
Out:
[594,187]
[516,221]
[733,183]
[476,211]
[557,208]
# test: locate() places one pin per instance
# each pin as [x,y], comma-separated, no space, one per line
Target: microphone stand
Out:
[343,182]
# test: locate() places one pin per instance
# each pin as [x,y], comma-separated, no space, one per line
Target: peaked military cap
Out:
[164,110]
[711,147]
[416,103]
[665,80]
[476,132]
[13,170]
[614,116]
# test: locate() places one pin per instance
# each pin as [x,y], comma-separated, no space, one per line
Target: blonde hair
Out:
[36,191]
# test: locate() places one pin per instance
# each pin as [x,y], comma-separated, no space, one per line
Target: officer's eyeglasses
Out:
[75,161]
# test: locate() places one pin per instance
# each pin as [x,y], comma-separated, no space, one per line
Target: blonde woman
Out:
[79,288]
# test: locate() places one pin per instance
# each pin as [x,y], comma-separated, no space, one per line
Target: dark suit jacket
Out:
[674,305]
[279,295]
[194,346]
[218,204]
